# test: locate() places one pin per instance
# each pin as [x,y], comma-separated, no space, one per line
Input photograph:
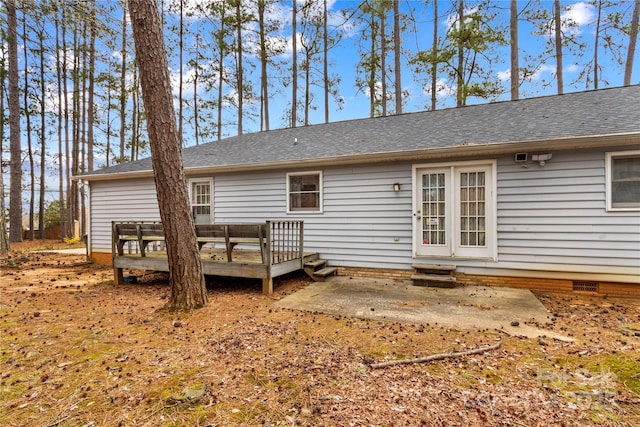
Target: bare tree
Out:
[15,165]
[631,51]
[188,289]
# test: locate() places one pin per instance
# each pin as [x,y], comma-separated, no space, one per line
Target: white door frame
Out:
[452,247]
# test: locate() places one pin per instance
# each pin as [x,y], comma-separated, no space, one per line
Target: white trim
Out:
[609,156]
[211,204]
[320,193]
[451,250]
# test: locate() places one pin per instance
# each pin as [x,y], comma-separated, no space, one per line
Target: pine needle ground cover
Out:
[77,351]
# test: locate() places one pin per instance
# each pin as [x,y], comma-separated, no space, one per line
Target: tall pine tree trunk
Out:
[61,170]
[188,290]
[43,139]
[15,165]
[383,57]
[325,60]
[294,59]
[558,42]
[631,50]
[434,64]
[240,65]
[396,50]
[596,43]
[92,68]
[123,81]
[27,118]
[460,90]
[4,242]
[264,81]
[515,53]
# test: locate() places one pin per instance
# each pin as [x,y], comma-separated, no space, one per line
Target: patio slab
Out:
[462,308]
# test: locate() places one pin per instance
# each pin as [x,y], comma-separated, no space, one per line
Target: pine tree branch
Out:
[440,356]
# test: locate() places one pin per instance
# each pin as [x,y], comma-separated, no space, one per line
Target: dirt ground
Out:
[77,351]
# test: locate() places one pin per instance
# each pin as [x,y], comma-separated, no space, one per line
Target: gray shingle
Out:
[601,112]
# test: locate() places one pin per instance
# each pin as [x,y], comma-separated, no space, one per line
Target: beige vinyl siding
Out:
[555,215]
[123,200]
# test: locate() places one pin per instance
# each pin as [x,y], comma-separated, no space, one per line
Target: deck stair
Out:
[317,269]
[434,275]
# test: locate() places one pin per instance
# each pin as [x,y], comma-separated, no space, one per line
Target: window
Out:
[623,180]
[200,192]
[304,192]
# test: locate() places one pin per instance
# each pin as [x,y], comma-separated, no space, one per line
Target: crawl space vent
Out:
[585,286]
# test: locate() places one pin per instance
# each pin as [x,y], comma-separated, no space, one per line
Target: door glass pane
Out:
[472,209]
[433,209]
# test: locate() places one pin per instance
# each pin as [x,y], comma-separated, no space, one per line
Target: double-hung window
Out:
[304,192]
[623,181]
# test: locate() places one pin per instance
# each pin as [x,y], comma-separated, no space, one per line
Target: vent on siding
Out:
[585,286]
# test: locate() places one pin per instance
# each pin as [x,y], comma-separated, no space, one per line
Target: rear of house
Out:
[541,193]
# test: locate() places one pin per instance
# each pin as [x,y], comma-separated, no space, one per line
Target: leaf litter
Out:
[96,354]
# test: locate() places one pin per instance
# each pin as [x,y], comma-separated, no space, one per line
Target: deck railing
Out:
[285,240]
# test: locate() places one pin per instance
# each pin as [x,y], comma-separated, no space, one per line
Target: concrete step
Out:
[434,280]
[440,268]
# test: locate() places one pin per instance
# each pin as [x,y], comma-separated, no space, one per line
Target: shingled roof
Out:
[559,118]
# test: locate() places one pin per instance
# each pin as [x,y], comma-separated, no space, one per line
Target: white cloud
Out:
[443,89]
[504,75]
[579,14]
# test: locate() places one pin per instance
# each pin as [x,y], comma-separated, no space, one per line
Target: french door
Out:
[454,211]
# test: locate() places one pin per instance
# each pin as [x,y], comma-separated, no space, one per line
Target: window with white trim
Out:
[304,192]
[623,180]
[200,194]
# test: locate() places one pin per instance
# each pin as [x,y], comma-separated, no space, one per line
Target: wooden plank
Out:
[315,263]
[325,271]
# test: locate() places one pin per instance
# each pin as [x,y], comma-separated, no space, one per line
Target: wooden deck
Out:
[278,252]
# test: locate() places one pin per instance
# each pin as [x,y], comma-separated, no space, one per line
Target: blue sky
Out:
[344,58]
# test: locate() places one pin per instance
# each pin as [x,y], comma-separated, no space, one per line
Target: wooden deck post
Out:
[118,277]
[267,285]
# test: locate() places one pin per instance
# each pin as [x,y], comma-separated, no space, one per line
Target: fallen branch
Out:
[437,356]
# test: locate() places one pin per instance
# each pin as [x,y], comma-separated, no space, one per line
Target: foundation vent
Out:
[585,286]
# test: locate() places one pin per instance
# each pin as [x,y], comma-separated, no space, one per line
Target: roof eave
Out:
[463,151]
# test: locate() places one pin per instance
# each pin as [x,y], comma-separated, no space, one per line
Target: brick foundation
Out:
[103,258]
[533,283]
